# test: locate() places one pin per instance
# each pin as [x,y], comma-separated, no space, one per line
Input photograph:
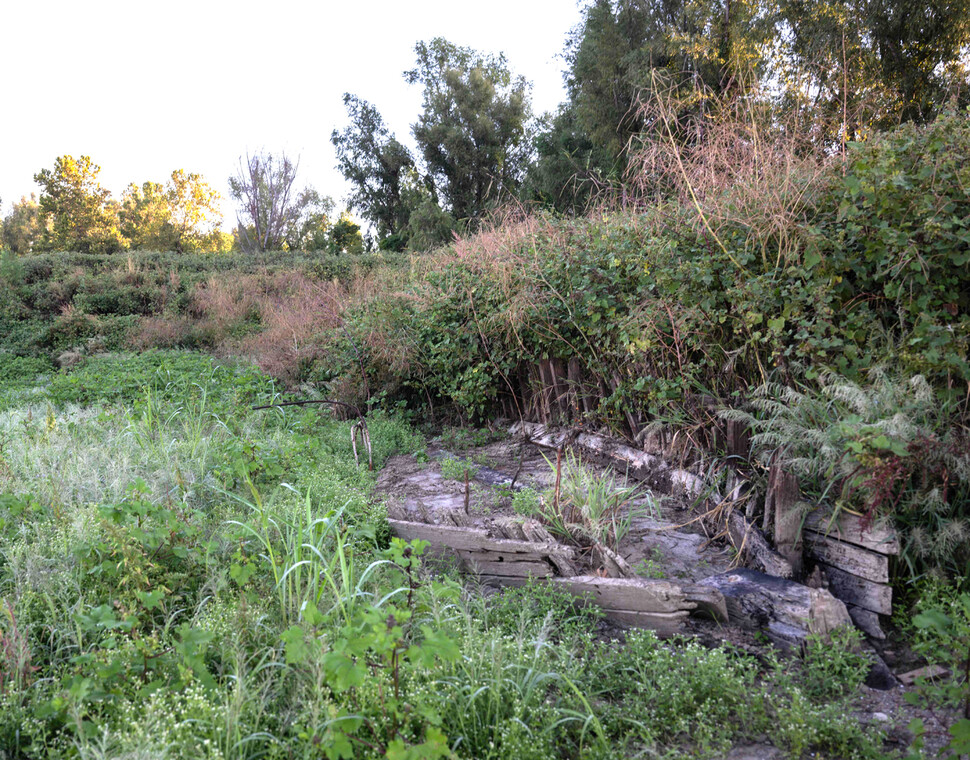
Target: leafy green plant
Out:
[943,638]
[374,643]
[886,448]
[589,506]
[526,502]
[835,665]
[457,469]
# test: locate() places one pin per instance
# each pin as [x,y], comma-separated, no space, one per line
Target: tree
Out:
[77,208]
[194,210]
[473,131]
[23,227]
[877,62]
[271,206]
[179,216]
[375,163]
[311,232]
[345,236]
[569,169]
[145,217]
[430,226]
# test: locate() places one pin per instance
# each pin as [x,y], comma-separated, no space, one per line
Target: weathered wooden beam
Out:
[708,600]
[469,539]
[746,538]
[929,672]
[517,569]
[848,557]
[664,623]
[851,589]
[783,503]
[536,532]
[879,537]
[636,594]
[614,565]
[497,556]
[867,621]
[786,611]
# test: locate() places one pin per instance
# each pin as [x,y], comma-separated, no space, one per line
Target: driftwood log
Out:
[786,611]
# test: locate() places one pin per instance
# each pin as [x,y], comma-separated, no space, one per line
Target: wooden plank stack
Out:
[788,611]
[855,559]
[639,602]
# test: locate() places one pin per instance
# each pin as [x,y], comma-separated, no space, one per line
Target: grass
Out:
[181,576]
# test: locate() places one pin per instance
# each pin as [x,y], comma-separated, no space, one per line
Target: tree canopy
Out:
[473,129]
[376,165]
[77,208]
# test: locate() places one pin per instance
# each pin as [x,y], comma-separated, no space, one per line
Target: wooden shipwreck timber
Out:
[760,596]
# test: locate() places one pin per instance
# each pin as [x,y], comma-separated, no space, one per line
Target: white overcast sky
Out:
[144,88]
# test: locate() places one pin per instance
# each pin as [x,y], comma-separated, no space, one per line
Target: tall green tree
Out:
[194,209]
[145,217]
[178,216]
[621,55]
[23,227]
[569,169]
[77,209]
[344,236]
[877,63]
[473,129]
[311,231]
[375,164]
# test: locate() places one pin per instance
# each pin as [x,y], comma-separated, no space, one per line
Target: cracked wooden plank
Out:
[852,589]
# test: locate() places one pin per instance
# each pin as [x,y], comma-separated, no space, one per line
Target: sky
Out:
[146,88]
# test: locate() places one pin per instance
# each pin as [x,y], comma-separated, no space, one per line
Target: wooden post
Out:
[784,501]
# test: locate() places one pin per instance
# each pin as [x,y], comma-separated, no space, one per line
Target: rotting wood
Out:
[708,600]
[560,387]
[533,530]
[574,373]
[929,672]
[783,503]
[851,589]
[637,594]
[786,611]
[867,621]
[469,539]
[510,528]
[746,538]
[879,537]
[497,556]
[614,565]
[658,474]
[536,532]
[848,557]
[663,623]
[738,435]
[459,519]
[515,569]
